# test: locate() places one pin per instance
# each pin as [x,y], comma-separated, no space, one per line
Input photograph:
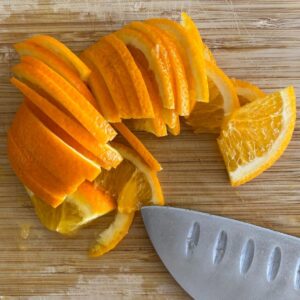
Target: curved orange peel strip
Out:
[138,146]
[246,91]
[63,52]
[111,237]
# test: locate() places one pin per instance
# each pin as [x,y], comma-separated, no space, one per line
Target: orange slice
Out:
[101,92]
[41,76]
[257,134]
[134,74]
[51,152]
[53,61]
[223,100]
[192,54]
[133,184]
[156,64]
[138,146]
[181,89]
[103,63]
[36,177]
[246,91]
[154,125]
[64,53]
[79,208]
[132,100]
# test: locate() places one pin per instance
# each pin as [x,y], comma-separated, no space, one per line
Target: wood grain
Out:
[254,40]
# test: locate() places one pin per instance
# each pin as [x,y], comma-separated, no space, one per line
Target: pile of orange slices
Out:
[148,75]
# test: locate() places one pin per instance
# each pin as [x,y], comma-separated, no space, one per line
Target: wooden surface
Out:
[254,40]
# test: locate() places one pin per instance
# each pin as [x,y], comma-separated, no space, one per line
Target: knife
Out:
[216,258]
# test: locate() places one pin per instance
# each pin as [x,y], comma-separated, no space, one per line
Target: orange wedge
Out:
[53,61]
[64,53]
[101,92]
[257,134]
[156,64]
[192,54]
[134,74]
[138,146]
[79,208]
[45,79]
[51,152]
[36,177]
[102,61]
[246,91]
[133,184]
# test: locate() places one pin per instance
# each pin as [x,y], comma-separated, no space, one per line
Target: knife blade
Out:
[216,258]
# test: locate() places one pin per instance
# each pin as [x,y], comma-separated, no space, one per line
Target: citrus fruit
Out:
[223,100]
[63,52]
[132,184]
[246,91]
[156,63]
[138,146]
[98,86]
[57,64]
[79,208]
[192,54]
[44,79]
[256,135]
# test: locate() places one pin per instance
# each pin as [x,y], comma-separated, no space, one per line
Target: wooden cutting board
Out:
[254,40]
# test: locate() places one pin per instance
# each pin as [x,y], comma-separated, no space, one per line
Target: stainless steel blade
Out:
[215,258]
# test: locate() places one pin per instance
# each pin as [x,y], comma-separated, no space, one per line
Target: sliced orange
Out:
[36,177]
[177,68]
[176,129]
[51,152]
[57,64]
[257,134]
[246,91]
[41,76]
[79,208]
[121,71]
[103,63]
[192,54]
[133,184]
[101,92]
[156,64]
[134,74]
[138,146]
[64,53]
[208,117]
[154,125]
